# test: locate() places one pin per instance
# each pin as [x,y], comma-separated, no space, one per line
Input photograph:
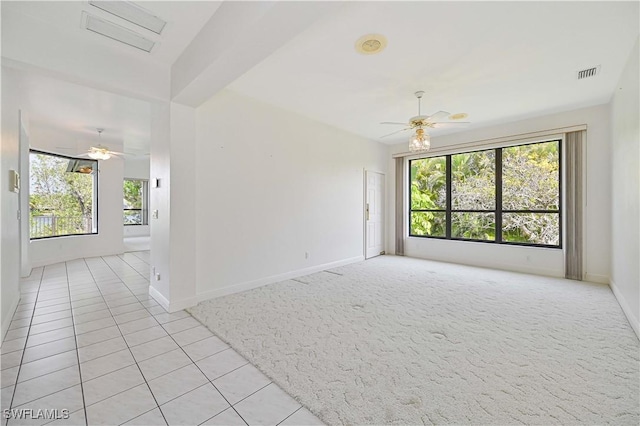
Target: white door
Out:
[374,214]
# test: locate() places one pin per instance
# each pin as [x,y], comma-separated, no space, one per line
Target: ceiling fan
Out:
[420,140]
[101,152]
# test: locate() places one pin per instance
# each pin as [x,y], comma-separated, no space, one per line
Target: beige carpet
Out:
[405,341]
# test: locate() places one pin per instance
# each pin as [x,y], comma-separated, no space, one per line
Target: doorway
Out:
[374,214]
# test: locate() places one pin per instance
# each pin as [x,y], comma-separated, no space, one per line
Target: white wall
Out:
[159,199]
[184,199]
[108,241]
[9,160]
[136,168]
[532,259]
[272,185]
[625,190]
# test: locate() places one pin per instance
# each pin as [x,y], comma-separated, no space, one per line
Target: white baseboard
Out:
[249,285]
[509,267]
[6,321]
[635,322]
[66,258]
[158,297]
[179,305]
[595,278]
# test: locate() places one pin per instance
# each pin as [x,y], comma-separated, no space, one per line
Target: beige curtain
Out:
[400,216]
[573,204]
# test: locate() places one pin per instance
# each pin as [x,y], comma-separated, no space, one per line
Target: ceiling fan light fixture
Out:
[420,141]
[99,155]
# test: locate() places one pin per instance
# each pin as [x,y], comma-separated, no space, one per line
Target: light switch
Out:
[154,214]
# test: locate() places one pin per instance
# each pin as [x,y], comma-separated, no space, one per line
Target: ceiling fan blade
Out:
[397,131]
[394,122]
[438,116]
[444,125]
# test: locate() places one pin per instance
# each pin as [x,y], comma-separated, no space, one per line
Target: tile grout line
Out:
[134,358]
[210,381]
[15,386]
[283,420]
[84,405]
[193,362]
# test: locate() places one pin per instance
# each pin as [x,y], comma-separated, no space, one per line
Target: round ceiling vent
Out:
[371,44]
[458,116]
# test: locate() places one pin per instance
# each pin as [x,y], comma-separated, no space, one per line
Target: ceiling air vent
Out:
[588,72]
[132,13]
[117,33]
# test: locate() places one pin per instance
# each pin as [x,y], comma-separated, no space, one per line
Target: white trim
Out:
[6,322]
[596,278]
[249,285]
[633,321]
[158,297]
[178,305]
[65,258]
[496,142]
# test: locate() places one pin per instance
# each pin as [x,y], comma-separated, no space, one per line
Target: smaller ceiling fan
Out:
[420,140]
[101,152]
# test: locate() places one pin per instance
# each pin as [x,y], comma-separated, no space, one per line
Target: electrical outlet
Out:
[306,254]
[157,277]
[154,214]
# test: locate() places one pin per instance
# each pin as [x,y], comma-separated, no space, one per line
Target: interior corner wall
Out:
[108,240]
[173,232]
[9,201]
[543,261]
[625,190]
[271,186]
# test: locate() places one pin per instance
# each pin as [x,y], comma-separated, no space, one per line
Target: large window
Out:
[135,201]
[504,195]
[62,195]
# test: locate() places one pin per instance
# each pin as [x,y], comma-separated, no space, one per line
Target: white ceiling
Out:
[184,20]
[66,115]
[497,61]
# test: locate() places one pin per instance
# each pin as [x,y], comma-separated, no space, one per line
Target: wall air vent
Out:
[131,12]
[118,33]
[588,72]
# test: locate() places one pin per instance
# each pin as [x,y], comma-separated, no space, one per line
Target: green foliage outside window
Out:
[530,195]
[60,201]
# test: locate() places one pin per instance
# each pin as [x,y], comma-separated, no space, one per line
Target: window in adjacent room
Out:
[135,202]
[505,195]
[62,195]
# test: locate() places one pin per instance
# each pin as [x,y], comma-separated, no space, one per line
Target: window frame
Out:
[96,210]
[498,211]
[145,202]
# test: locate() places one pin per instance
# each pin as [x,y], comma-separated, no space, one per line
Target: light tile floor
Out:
[88,338]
